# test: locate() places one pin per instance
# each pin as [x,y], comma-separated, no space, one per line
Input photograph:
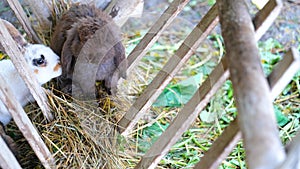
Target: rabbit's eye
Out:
[39,61]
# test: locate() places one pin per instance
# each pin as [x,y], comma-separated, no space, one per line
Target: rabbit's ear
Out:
[16,35]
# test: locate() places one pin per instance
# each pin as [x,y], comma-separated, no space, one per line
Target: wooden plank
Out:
[251,89]
[24,21]
[7,158]
[18,60]
[185,117]
[154,33]
[224,143]
[24,124]
[154,89]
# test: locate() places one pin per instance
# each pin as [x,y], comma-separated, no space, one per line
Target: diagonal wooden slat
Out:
[15,55]
[265,17]
[154,33]
[184,119]
[282,73]
[224,144]
[293,155]
[221,147]
[154,89]
[231,135]
[24,124]
[7,158]
[20,14]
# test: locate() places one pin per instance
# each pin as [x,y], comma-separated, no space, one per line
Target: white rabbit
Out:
[44,64]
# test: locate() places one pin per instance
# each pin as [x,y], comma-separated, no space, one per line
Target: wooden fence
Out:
[223,145]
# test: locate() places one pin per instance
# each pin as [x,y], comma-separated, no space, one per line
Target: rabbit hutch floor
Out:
[82,136]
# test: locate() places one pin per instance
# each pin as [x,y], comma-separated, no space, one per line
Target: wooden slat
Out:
[225,142]
[185,117]
[293,157]
[154,33]
[24,21]
[19,62]
[24,124]
[284,71]
[221,147]
[251,90]
[265,17]
[154,89]
[7,158]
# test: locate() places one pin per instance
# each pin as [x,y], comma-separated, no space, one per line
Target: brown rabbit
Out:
[71,33]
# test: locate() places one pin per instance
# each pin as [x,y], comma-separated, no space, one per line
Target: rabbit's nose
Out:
[57,67]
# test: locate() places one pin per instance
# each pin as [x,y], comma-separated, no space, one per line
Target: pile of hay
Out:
[81,136]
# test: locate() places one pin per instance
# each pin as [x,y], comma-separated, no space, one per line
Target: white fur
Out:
[43,74]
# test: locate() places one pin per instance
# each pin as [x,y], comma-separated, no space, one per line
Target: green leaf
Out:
[149,135]
[281,118]
[178,94]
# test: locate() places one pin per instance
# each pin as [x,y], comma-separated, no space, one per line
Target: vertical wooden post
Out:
[251,90]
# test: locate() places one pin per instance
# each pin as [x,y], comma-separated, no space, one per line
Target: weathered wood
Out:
[185,117]
[19,62]
[293,154]
[154,33]
[265,17]
[251,90]
[224,143]
[41,10]
[24,21]
[284,71]
[221,147]
[154,89]
[125,9]
[24,124]
[7,158]
[15,34]
[213,158]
